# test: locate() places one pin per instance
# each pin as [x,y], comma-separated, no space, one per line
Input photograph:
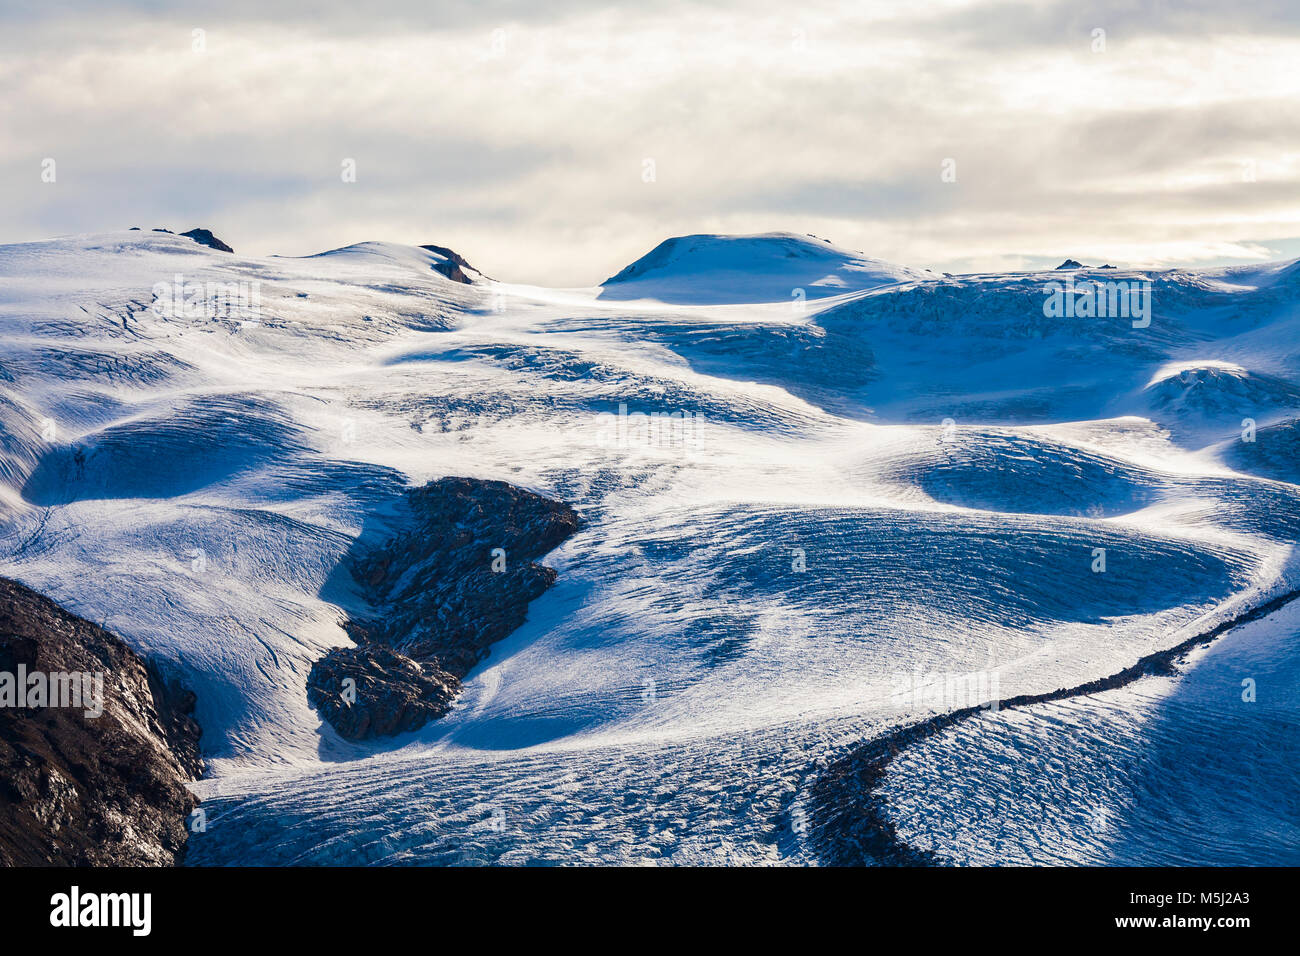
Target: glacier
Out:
[892,481]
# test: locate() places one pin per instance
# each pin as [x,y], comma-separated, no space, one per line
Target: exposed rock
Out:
[437,602]
[394,694]
[205,238]
[433,585]
[175,704]
[455,266]
[1070,264]
[84,790]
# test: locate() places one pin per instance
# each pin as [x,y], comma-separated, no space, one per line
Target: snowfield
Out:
[876,495]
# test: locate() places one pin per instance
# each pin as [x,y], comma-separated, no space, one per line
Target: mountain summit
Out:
[768,267]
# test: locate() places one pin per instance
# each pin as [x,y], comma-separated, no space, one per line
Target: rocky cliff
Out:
[92,778]
[458,578]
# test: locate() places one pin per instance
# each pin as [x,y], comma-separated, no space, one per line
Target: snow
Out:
[769,267]
[1201,770]
[943,456]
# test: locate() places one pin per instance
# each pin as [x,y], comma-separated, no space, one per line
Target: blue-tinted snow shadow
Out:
[1216,781]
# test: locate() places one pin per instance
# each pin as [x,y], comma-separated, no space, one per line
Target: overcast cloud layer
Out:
[520,133]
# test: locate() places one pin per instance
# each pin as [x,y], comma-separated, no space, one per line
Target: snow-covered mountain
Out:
[807,518]
[769,267]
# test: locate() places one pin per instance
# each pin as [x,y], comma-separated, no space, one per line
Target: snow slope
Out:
[769,267]
[1200,770]
[905,480]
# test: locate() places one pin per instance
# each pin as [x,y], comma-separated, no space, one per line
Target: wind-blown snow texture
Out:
[753,583]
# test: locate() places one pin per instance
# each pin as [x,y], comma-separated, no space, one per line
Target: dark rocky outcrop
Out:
[205,238]
[438,595]
[455,266]
[394,693]
[76,789]
[1070,264]
[175,705]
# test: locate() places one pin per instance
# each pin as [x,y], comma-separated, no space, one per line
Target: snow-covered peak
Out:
[439,258]
[768,267]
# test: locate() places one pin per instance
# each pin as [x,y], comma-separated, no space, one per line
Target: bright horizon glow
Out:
[519,136]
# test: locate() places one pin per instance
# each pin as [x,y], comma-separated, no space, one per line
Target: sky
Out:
[555,142]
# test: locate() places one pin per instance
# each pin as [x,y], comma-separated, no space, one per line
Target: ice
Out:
[891,475]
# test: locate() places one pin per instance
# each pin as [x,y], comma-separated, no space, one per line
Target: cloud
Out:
[519,133]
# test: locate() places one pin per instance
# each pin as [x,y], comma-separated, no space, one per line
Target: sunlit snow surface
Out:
[194,483]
